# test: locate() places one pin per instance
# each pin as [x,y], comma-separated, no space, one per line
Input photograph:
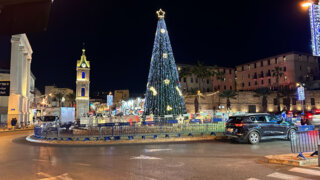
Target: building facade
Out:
[82,86]
[296,67]
[191,83]
[227,82]
[120,95]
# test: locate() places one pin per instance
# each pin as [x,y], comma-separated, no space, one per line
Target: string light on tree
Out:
[163,95]
[153,90]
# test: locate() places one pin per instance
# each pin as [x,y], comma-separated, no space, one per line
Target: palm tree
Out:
[201,72]
[287,93]
[263,92]
[277,73]
[59,96]
[71,98]
[228,94]
[184,73]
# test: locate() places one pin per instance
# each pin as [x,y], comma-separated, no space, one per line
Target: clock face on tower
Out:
[83,65]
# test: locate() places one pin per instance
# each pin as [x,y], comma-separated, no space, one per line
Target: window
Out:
[224,87]
[207,81]
[208,90]
[249,67]
[218,87]
[268,61]
[196,80]
[83,75]
[83,92]
[261,81]
[294,101]
[313,102]
[276,60]
[275,101]
[300,68]
[285,78]
[284,68]
[284,58]
[230,71]
[191,80]
[261,63]
[248,83]
[242,68]
[230,87]
[260,118]
[184,79]
[224,71]
[242,84]
[248,75]
[255,65]
[269,81]
[255,83]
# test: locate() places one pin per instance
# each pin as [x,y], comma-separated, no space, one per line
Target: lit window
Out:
[83,75]
[83,91]
[284,58]
[285,78]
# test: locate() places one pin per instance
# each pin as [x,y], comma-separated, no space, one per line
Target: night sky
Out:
[119,35]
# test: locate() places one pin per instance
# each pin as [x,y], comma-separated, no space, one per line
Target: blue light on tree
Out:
[163,94]
[314,12]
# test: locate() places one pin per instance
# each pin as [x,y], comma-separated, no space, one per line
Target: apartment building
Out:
[296,67]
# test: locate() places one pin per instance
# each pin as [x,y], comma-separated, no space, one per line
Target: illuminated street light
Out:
[306,4]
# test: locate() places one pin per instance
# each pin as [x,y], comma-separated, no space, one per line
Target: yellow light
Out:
[179,91]
[166,81]
[165,55]
[161,14]
[169,108]
[153,90]
[306,4]
[162,31]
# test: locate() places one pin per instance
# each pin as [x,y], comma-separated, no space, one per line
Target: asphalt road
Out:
[202,160]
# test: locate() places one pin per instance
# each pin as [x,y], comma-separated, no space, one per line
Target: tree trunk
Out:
[264,104]
[228,104]
[196,105]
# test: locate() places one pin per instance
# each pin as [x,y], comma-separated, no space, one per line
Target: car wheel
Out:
[291,133]
[254,137]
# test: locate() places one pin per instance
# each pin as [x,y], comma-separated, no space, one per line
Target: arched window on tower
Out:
[83,75]
[83,91]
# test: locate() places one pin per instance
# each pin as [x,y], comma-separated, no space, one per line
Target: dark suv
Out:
[256,127]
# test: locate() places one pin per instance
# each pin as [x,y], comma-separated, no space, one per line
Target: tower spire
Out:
[83,49]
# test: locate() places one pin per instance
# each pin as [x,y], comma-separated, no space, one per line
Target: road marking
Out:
[156,150]
[146,157]
[64,176]
[82,164]
[285,176]
[306,171]
[252,179]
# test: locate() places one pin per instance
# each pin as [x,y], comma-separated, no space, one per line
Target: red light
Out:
[239,125]
[317,110]
[309,116]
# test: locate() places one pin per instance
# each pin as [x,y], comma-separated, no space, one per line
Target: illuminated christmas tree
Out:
[163,95]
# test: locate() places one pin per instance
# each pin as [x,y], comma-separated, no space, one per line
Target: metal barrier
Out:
[305,141]
[118,130]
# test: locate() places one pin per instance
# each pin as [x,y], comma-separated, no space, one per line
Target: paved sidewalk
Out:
[11,130]
[293,160]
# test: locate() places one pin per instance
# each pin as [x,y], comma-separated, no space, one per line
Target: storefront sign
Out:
[4,88]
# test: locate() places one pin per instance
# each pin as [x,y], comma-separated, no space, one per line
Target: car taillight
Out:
[239,125]
[309,116]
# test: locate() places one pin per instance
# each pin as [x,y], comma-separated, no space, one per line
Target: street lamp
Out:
[306,3]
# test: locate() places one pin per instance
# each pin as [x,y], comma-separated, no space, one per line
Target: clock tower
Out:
[83,84]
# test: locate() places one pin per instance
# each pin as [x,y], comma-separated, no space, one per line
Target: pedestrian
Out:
[14,123]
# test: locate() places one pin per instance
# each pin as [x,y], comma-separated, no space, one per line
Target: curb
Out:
[16,130]
[292,160]
[32,139]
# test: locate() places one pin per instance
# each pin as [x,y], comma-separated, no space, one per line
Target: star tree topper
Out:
[161,13]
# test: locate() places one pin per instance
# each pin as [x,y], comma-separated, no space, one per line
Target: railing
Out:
[305,141]
[113,131]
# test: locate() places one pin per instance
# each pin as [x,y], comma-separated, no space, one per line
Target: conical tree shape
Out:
[163,95]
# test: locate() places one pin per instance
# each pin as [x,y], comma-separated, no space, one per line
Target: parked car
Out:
[311,118]
[258,126]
